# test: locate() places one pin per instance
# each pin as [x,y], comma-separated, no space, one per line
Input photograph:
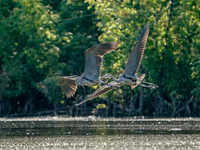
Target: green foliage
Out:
[50,87]
[101,106]
[78,32]
[42,40]
[172,46]
[28,45]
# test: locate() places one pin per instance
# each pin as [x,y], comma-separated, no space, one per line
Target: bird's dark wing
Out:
[104,89]
[68,86]
[136,55]
[94,59]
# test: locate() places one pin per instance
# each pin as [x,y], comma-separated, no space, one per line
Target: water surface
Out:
[94,133]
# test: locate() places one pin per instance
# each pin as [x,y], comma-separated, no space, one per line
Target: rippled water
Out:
[92,133]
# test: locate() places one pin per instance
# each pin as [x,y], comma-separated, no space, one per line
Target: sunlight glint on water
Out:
[92,133]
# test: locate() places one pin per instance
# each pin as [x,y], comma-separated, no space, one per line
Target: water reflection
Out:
[63,133]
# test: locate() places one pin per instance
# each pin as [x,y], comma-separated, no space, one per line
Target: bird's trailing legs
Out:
[150,85]
[83,91]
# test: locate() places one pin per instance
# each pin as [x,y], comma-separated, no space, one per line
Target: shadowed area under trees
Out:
[42,40]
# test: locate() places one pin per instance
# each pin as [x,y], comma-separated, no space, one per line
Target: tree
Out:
[28,48]
[171,47]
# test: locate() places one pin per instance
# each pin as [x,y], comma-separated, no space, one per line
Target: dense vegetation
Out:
[42,40]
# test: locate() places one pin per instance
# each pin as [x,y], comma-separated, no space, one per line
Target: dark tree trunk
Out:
[141,97]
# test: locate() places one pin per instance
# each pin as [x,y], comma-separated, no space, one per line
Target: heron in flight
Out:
[129,76]
[91,75]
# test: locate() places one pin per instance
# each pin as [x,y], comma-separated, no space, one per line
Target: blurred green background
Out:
[42,40]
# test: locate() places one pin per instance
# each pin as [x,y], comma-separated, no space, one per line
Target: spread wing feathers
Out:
[104,89]
[141,78]
[94,59]
[136,55]
[68,86]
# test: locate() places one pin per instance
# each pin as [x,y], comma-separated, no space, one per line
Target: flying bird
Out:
[91,75]
[129,76]
[105,89]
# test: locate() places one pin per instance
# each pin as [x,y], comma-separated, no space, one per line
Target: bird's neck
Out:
[87,79]
[116,80]
[78,80]
[127,77]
